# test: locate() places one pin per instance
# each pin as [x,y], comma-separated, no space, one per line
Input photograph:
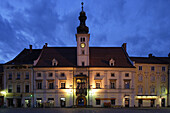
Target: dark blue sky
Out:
[143,24]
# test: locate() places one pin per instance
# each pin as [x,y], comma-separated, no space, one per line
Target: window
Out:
[126,74]
[97,85]
[97,102]
[82,52]
[140,89]
[54,62]
[9,88]
[27,88]
[62,85]
[162,89]
[62,75]
[97,74]
[113,102]
[112,84]
[140,67]
[140,78]
[27,75]
[111,62]
[163,69]
[82,63]
[127,84]
[10,76]
[51,85]
[152,78]
[82,39]
[112,75]
[18,88]
[38,74]
[152,68]
[152,89]
[163,78]
[50,75]
[18,75]
[39,85]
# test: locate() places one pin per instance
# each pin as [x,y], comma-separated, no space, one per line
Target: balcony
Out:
[81,92]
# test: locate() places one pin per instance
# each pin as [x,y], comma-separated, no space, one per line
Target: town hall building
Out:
[85,76]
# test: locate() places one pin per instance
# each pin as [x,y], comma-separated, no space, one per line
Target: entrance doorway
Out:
[18,102]
[126,102]
[10,102]
[163,102]
[140,102]
[81,101]
[63,102]
[27,102]
[152,102]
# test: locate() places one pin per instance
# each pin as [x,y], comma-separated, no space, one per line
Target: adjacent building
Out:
[85,76]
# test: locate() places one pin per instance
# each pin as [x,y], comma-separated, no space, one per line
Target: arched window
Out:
[112,62]
[54,62]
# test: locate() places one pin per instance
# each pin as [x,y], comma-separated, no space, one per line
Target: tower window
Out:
[83,52]
[82,63]
[82,39]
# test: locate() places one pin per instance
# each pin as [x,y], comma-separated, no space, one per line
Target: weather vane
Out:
[82,5]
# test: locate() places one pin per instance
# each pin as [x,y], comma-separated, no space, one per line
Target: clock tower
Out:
[82,38]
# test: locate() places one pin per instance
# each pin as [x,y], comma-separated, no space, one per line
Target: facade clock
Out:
[82,45]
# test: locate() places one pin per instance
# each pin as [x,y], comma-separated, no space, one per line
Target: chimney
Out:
[150,55]
[124,46]
[30,48]
[46,44]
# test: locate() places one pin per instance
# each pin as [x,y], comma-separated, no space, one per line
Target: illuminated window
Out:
[127,84]
[97,85]
[97,102]
[63,85]
[140,67]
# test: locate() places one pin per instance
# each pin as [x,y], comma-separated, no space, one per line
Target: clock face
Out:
[82,45]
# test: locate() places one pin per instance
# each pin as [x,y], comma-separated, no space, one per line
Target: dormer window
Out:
[54,62]
[112,62]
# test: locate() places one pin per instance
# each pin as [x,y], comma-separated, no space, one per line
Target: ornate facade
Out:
[84,76]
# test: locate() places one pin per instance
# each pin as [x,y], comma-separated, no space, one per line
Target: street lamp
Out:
[3,92]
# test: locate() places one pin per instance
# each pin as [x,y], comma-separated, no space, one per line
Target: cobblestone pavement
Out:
[84,110]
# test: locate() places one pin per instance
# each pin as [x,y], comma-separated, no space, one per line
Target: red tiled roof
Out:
[151,60]
[25,57]
[99,56]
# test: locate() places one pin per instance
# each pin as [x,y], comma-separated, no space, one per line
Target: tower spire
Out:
[82,28]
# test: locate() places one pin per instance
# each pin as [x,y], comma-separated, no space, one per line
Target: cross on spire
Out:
[82,5]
